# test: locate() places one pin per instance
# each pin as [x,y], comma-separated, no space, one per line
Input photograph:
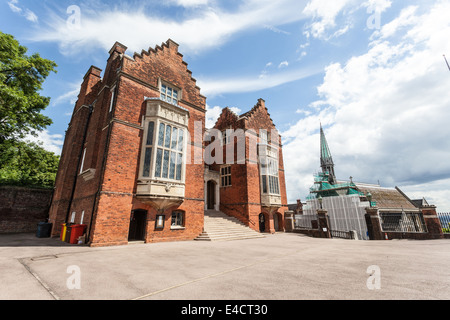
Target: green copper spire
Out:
[326,161]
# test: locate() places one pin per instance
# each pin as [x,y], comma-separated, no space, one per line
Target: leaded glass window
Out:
[148,149]
[225,173]
[169,94]
[269,176]
[169,153]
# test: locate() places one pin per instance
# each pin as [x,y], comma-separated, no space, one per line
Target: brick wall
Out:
[243,198]
[21,209]
[113,143]
[434,228]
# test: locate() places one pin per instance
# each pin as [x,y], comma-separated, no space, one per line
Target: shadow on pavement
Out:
[30,240]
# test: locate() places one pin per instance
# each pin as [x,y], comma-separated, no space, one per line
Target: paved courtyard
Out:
[277,267]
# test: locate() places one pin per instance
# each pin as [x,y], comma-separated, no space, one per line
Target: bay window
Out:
[162,170]
[169,154]
[269,176]
[167,151]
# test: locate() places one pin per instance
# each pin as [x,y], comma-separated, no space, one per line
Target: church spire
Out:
[326,161]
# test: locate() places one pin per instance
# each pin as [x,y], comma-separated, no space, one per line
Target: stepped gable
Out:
[165,59]
[258,117]
[227,119]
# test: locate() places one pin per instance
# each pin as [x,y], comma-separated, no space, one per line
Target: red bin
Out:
[77,231]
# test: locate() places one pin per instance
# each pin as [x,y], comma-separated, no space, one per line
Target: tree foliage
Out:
[21,79]
[27,164]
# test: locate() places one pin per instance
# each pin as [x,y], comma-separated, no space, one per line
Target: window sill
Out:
[88,174]
[177,228]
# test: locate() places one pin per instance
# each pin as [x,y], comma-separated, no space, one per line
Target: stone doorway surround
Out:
[211,175]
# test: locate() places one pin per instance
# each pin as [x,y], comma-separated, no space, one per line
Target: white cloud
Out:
[283,64]
[377,5]
[31,16]
[189,3]
[324,14]
[385,112]
[13,7]
[276,30]
[212,87]
[50,142]
[70,96]
[406,18]
[212,114]
[27,13]
[207,27]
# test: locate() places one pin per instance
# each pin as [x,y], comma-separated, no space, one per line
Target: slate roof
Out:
[387,198]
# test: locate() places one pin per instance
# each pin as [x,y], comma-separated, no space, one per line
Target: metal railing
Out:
[403,222]
[342,234]
[444,218]
[305,222]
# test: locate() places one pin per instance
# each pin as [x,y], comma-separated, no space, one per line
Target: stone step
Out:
[220,227]
[233,232]
[228,237]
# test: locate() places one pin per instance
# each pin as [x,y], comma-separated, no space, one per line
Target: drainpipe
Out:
[97,195]
[102,173]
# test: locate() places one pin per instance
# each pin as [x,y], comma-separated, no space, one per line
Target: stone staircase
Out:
[221,227]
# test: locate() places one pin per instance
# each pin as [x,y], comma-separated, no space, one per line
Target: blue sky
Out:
[371,71]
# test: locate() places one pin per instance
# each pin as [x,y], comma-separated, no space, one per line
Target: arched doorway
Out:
[138,223]
[211,195]
[276,221]
[262,223]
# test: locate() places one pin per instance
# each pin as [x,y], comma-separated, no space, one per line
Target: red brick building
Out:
[250,181]
[132,164]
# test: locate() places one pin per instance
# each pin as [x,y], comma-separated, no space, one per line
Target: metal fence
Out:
[345,213]
[305,222]
[444,218]
[342,234]
[403,222]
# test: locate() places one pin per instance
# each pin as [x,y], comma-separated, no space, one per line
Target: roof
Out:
[420,202]
[387,198]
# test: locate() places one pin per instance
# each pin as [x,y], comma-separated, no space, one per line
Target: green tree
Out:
[28,164]
[21,79]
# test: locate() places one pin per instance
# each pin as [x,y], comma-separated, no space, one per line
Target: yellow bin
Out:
[63,232]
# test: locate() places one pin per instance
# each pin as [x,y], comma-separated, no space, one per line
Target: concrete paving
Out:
[283,266]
